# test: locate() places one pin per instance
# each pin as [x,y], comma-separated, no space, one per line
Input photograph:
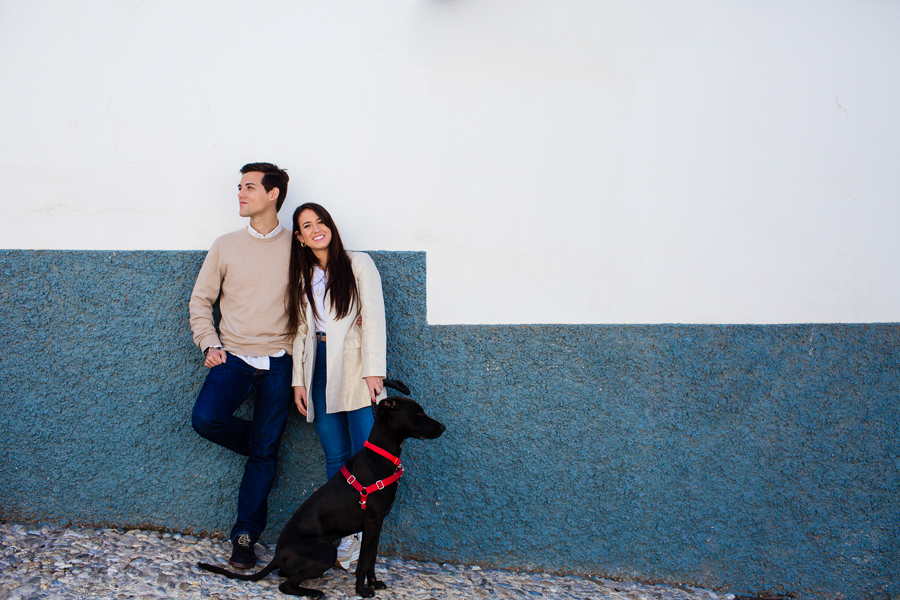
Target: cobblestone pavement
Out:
[74,563]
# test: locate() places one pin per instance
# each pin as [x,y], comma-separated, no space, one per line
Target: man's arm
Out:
[206,292]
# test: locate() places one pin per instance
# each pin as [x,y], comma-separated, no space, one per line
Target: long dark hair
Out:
[341,282]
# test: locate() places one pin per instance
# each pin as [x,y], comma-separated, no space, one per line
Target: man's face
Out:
[253,197]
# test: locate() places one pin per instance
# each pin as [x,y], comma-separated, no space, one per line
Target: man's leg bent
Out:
[225,389]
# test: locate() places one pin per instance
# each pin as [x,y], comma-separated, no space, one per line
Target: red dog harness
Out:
[378,485]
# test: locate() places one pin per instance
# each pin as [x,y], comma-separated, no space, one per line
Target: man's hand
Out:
[376,384]
[300,398]
[214,357]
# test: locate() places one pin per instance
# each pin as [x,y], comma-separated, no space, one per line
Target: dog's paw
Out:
[364,591]
[379,585]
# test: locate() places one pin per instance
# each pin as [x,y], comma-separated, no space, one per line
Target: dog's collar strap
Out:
[378,485]
[382,452]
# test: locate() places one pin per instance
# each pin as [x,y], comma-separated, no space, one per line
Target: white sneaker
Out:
[348,551]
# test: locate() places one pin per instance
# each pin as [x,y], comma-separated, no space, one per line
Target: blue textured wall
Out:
[751,458]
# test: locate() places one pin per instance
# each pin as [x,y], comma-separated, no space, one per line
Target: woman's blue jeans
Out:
[225,389]
[342,434]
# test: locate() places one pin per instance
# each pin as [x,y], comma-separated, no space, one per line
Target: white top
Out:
[261,362]
[319,283]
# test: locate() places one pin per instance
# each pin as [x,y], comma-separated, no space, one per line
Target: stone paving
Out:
[74,563]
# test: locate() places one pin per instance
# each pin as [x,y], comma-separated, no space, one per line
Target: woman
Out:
[339,360]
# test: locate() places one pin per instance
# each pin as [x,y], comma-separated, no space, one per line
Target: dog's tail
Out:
[253,577]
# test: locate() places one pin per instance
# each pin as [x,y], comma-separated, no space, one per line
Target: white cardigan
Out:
[353,352]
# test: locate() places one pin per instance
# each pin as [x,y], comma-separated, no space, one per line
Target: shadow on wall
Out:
[753,458]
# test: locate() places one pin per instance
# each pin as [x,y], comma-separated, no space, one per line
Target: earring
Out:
[302,244]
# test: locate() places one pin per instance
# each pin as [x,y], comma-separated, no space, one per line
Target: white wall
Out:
[629,161]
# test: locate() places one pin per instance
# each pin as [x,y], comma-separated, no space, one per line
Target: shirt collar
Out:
[258,235]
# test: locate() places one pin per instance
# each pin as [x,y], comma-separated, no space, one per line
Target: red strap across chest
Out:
[378,485]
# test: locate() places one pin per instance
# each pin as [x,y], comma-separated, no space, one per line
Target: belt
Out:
[320,337]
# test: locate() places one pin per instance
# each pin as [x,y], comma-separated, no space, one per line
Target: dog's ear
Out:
[389,404]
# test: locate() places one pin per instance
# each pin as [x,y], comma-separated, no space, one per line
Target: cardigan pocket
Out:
[353,339]
[354,391]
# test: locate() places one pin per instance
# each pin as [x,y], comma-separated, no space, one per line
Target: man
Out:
[247,271]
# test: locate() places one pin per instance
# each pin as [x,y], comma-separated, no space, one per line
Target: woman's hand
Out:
[300,398]
[376,384]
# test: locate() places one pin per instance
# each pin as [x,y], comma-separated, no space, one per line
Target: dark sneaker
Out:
[242,555]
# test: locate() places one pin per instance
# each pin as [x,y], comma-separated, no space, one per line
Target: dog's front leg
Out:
[365,568]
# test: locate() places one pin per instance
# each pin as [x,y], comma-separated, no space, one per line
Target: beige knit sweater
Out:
[249,277]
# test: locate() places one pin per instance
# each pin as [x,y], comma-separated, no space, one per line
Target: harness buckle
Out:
[379,484]
[351,479]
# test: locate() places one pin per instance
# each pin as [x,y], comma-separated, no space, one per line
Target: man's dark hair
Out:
[273,177]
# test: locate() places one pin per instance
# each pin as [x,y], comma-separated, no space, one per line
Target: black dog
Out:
[306,547]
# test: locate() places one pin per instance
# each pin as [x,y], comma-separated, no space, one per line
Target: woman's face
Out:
[313,231]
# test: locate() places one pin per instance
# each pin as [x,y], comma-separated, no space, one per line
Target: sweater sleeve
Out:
[374,330]
[206,292]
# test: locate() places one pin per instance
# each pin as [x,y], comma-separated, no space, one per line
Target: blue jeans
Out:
[225,389]
[342,434]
